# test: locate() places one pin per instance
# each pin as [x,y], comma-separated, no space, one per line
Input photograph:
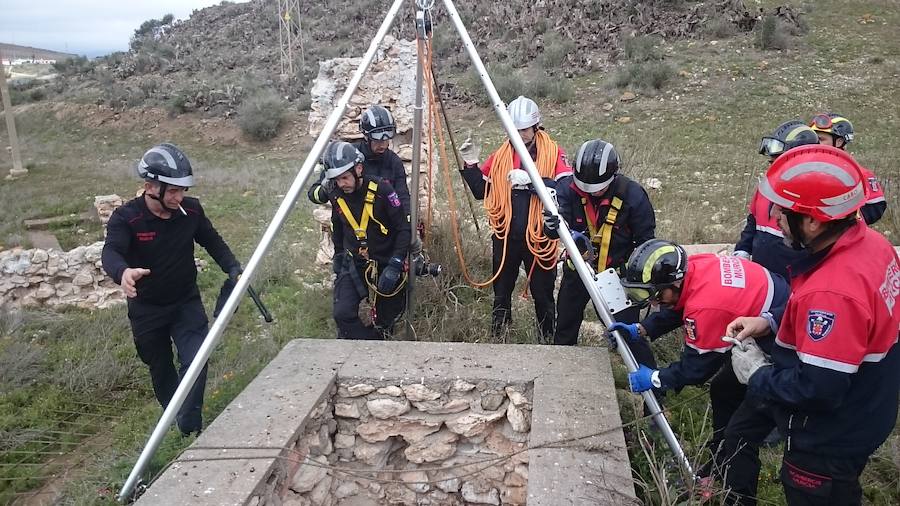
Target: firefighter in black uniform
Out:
[371,236]
[149,251]
[378,127]
[613,214]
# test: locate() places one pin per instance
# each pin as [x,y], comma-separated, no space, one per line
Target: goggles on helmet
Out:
[770,146]
[381,134]
[822,121]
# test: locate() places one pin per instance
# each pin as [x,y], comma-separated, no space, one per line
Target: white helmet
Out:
[524,112]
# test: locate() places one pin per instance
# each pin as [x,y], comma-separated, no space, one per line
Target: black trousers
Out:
[349,290]
[541,285]
[726,395]
[807,478]
[572,299]
[155,330]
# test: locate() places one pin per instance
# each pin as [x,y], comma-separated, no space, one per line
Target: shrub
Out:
[647,75]
[642,48]
[260,115]
[73,66]
[177,104]
[772,33]
[556,51]
[719,28]
[538,84]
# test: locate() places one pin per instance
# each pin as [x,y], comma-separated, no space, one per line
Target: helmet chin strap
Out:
[159,198]
[833,229]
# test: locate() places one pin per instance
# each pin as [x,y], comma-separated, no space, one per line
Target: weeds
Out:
[642,48]
[646,75]
[556,51]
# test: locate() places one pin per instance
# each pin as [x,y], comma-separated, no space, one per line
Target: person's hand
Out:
[642,379]
[741,254]
[328,186]
[390,276]
[518,177]
[235,272]
[129,278]
[629,329]
[469,151]
[744,327]
[747,359]
[337,262]
[551,224]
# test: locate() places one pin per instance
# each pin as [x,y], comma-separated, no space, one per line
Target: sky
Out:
[85,27]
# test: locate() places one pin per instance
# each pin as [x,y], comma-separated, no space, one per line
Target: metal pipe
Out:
[416,155]
[584,272]
[253,264]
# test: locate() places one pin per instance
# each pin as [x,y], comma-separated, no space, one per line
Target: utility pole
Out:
[17,169]
[289,33]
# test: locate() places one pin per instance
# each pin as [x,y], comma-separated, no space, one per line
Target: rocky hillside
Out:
[224,53]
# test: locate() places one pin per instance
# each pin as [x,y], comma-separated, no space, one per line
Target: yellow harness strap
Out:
[359,227]
[605,233]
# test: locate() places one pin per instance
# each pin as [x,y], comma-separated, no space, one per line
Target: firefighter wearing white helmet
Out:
[514,213]
[149,251]
[371,235]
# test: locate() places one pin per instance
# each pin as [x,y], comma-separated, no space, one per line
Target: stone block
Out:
[308,476]
[418,392]
[473,424]
[387,408]
[433,447]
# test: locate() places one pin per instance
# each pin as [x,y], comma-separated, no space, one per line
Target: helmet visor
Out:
[771,146]
[640,293]
[382,134]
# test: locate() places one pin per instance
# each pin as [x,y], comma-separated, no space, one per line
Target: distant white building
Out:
[5,62]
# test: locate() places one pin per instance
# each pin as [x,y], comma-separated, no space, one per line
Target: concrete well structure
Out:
[332,422]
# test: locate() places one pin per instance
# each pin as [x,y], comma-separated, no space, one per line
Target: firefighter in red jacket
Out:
[707,292]
[834,375]
[836,130]
[514,212]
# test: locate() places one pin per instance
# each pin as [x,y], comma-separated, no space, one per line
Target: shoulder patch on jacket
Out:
[690,329]
[394,199]
[819,324]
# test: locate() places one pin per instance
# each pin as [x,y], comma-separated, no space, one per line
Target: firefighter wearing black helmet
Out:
[371,236]
[378,128]
[613,214]
[149,251]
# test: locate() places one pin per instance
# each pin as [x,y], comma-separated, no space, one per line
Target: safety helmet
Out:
[524,113]
[376,123]
[652,266]
[788,135]
[595,166]
[833,124]
[339,157]
[167,164]
[820,181]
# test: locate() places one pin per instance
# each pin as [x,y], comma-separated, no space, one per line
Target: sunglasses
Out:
[771,146]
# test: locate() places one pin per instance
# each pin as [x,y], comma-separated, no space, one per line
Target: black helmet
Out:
[654,265]
[834,124]
[788,135]
[167,164]
[376,123]
[339,157]
[595,166]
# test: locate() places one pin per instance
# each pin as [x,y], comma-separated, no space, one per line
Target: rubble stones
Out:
[412,427]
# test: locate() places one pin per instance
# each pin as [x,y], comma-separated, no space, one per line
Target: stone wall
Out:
[48,277]
[378,425]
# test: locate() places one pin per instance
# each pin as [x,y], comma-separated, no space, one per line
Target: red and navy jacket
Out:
[635,223]
[836,373]
[762,238]
[715,291]
[137,238]
[477,178]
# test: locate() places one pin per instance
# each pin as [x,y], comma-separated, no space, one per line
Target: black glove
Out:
[337,262]
[551,224]
[235,272]
[390,276]
[224,293]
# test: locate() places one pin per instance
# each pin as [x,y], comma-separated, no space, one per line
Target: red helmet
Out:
[820,181]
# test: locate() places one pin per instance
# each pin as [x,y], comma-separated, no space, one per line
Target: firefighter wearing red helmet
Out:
[833,379]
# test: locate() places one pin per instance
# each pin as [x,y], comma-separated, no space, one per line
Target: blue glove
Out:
[390,276]
[641,380]
[629,329]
